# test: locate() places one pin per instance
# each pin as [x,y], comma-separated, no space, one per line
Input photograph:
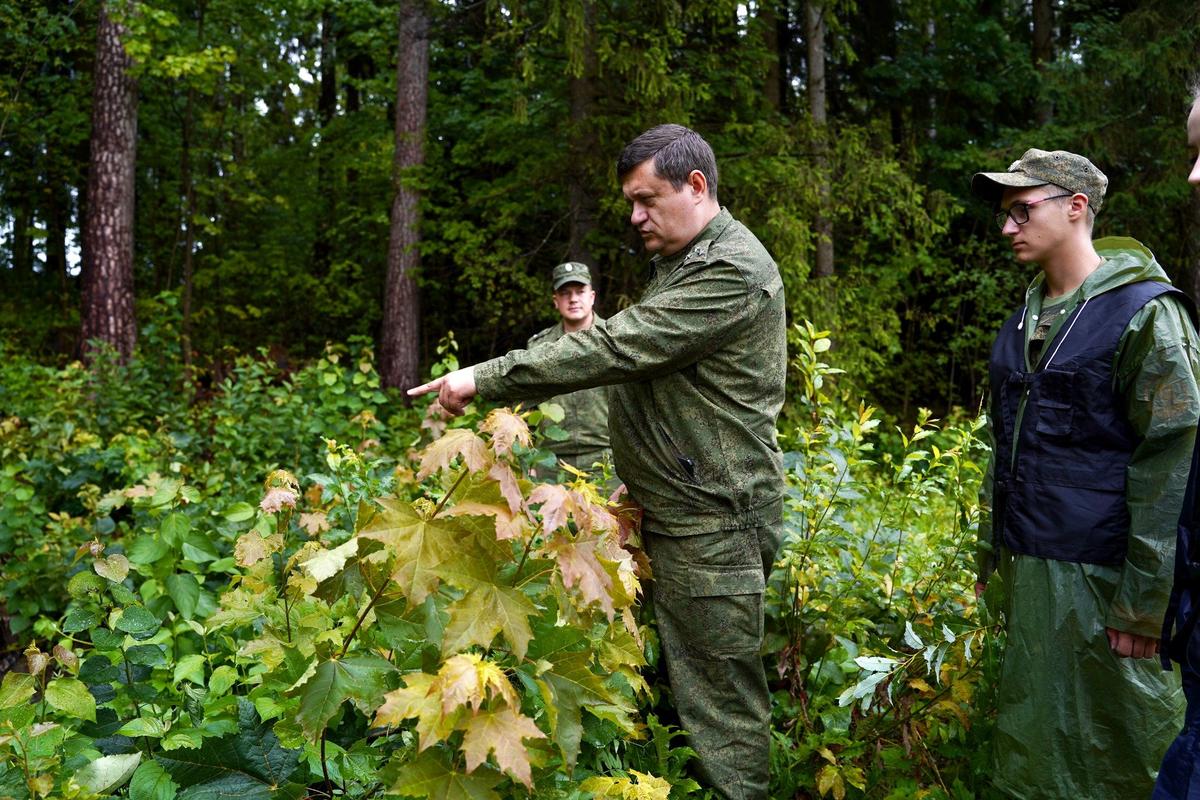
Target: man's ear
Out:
[698,183]
[1079,204]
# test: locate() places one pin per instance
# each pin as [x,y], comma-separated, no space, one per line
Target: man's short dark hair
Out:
[676,151]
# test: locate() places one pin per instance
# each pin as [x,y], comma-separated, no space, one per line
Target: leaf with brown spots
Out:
[456,443]
[501,732]
[505,428]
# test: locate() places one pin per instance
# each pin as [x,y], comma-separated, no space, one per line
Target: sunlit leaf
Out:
[501,732]
[453,444]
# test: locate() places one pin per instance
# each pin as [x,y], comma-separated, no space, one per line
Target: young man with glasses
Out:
[1093,416]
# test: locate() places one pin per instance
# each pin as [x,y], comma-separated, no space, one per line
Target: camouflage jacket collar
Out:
[696,249]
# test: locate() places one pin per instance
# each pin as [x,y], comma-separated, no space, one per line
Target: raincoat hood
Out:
[1126,260]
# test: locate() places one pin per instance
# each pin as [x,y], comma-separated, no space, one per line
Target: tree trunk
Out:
[326,110]
[581,91]
[401,302]
[814,33]
[1043,53]
[775,41]
[108,229]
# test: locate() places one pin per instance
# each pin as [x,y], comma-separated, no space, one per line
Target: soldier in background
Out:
[586,410]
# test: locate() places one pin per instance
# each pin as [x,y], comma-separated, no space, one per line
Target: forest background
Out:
[234,559]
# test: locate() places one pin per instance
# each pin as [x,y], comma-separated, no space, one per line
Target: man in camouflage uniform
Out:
[586,410]
[698,370]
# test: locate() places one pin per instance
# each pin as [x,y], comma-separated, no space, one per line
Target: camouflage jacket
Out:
[586,410]
[698,366]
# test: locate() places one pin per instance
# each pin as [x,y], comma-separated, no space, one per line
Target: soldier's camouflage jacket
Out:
[586,410]
[698,366]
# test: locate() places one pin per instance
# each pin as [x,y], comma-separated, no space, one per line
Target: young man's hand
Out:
[1131,645]
[454,389]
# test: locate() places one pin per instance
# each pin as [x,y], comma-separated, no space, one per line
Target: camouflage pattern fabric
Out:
[698,366]
[586,414]
[707,596]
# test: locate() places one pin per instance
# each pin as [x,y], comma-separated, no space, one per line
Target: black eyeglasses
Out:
[1019,212]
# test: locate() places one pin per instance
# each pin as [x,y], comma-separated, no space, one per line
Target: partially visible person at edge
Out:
[1179,776]
[1093,416]
[585,417]
[698,370]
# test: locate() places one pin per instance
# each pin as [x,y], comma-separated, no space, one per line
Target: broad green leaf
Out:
[430,775]
[184,592]
[419,546]
[173,528]
[248,765]
[239,512]
[199,548]
[85,584]
[71,696]
[570,686]
[190,668]
[104,774]
[362,678]
[222,679]
[147,549]
[485,611]
[136,620]
[151,782]
[145,726]
[16,689]
[80,619]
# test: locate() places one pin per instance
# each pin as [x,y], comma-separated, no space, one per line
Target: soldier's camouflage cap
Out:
[570,272]
[1037,168]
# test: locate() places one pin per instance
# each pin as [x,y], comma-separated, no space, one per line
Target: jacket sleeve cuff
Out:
[488,379]
[1151,628]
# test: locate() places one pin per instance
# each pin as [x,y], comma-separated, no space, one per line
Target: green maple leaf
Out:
[485,611]
[419,546]
[570,686]
[362,678]
[430,775]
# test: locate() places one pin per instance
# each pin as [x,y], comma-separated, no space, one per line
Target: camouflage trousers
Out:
[707,596]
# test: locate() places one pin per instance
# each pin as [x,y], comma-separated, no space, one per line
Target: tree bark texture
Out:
[401,302]
[108,228]
[582,145]
[814,34]
[1043,52]
[326,111]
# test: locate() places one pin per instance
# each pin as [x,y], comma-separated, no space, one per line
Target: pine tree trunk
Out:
[582,146]
[1043,53]
[108,228]
[401,302]
[814,34]
[326,110]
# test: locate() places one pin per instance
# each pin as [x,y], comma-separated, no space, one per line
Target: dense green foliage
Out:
[297,584]
[292,182]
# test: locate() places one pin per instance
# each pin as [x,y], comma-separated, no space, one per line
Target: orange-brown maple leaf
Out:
[510,490]
[580,568]
[455,443]
[555,501]
[500,732]
[505,428]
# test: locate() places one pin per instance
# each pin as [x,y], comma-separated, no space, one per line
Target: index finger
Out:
[425,388]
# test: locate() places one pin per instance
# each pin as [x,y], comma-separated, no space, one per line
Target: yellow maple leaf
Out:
[419,698]
[468,679]
[453,444]
[251,547]
[418,546]
[505,428]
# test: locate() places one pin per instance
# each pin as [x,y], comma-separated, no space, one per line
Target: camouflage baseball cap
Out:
[1038,167]
[570,272]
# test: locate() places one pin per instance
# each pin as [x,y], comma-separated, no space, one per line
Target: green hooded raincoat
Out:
[1075,721]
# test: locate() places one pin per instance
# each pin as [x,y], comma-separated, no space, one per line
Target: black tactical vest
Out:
[1063,497]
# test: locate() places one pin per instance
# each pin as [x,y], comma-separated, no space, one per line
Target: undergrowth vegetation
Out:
[293,585]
